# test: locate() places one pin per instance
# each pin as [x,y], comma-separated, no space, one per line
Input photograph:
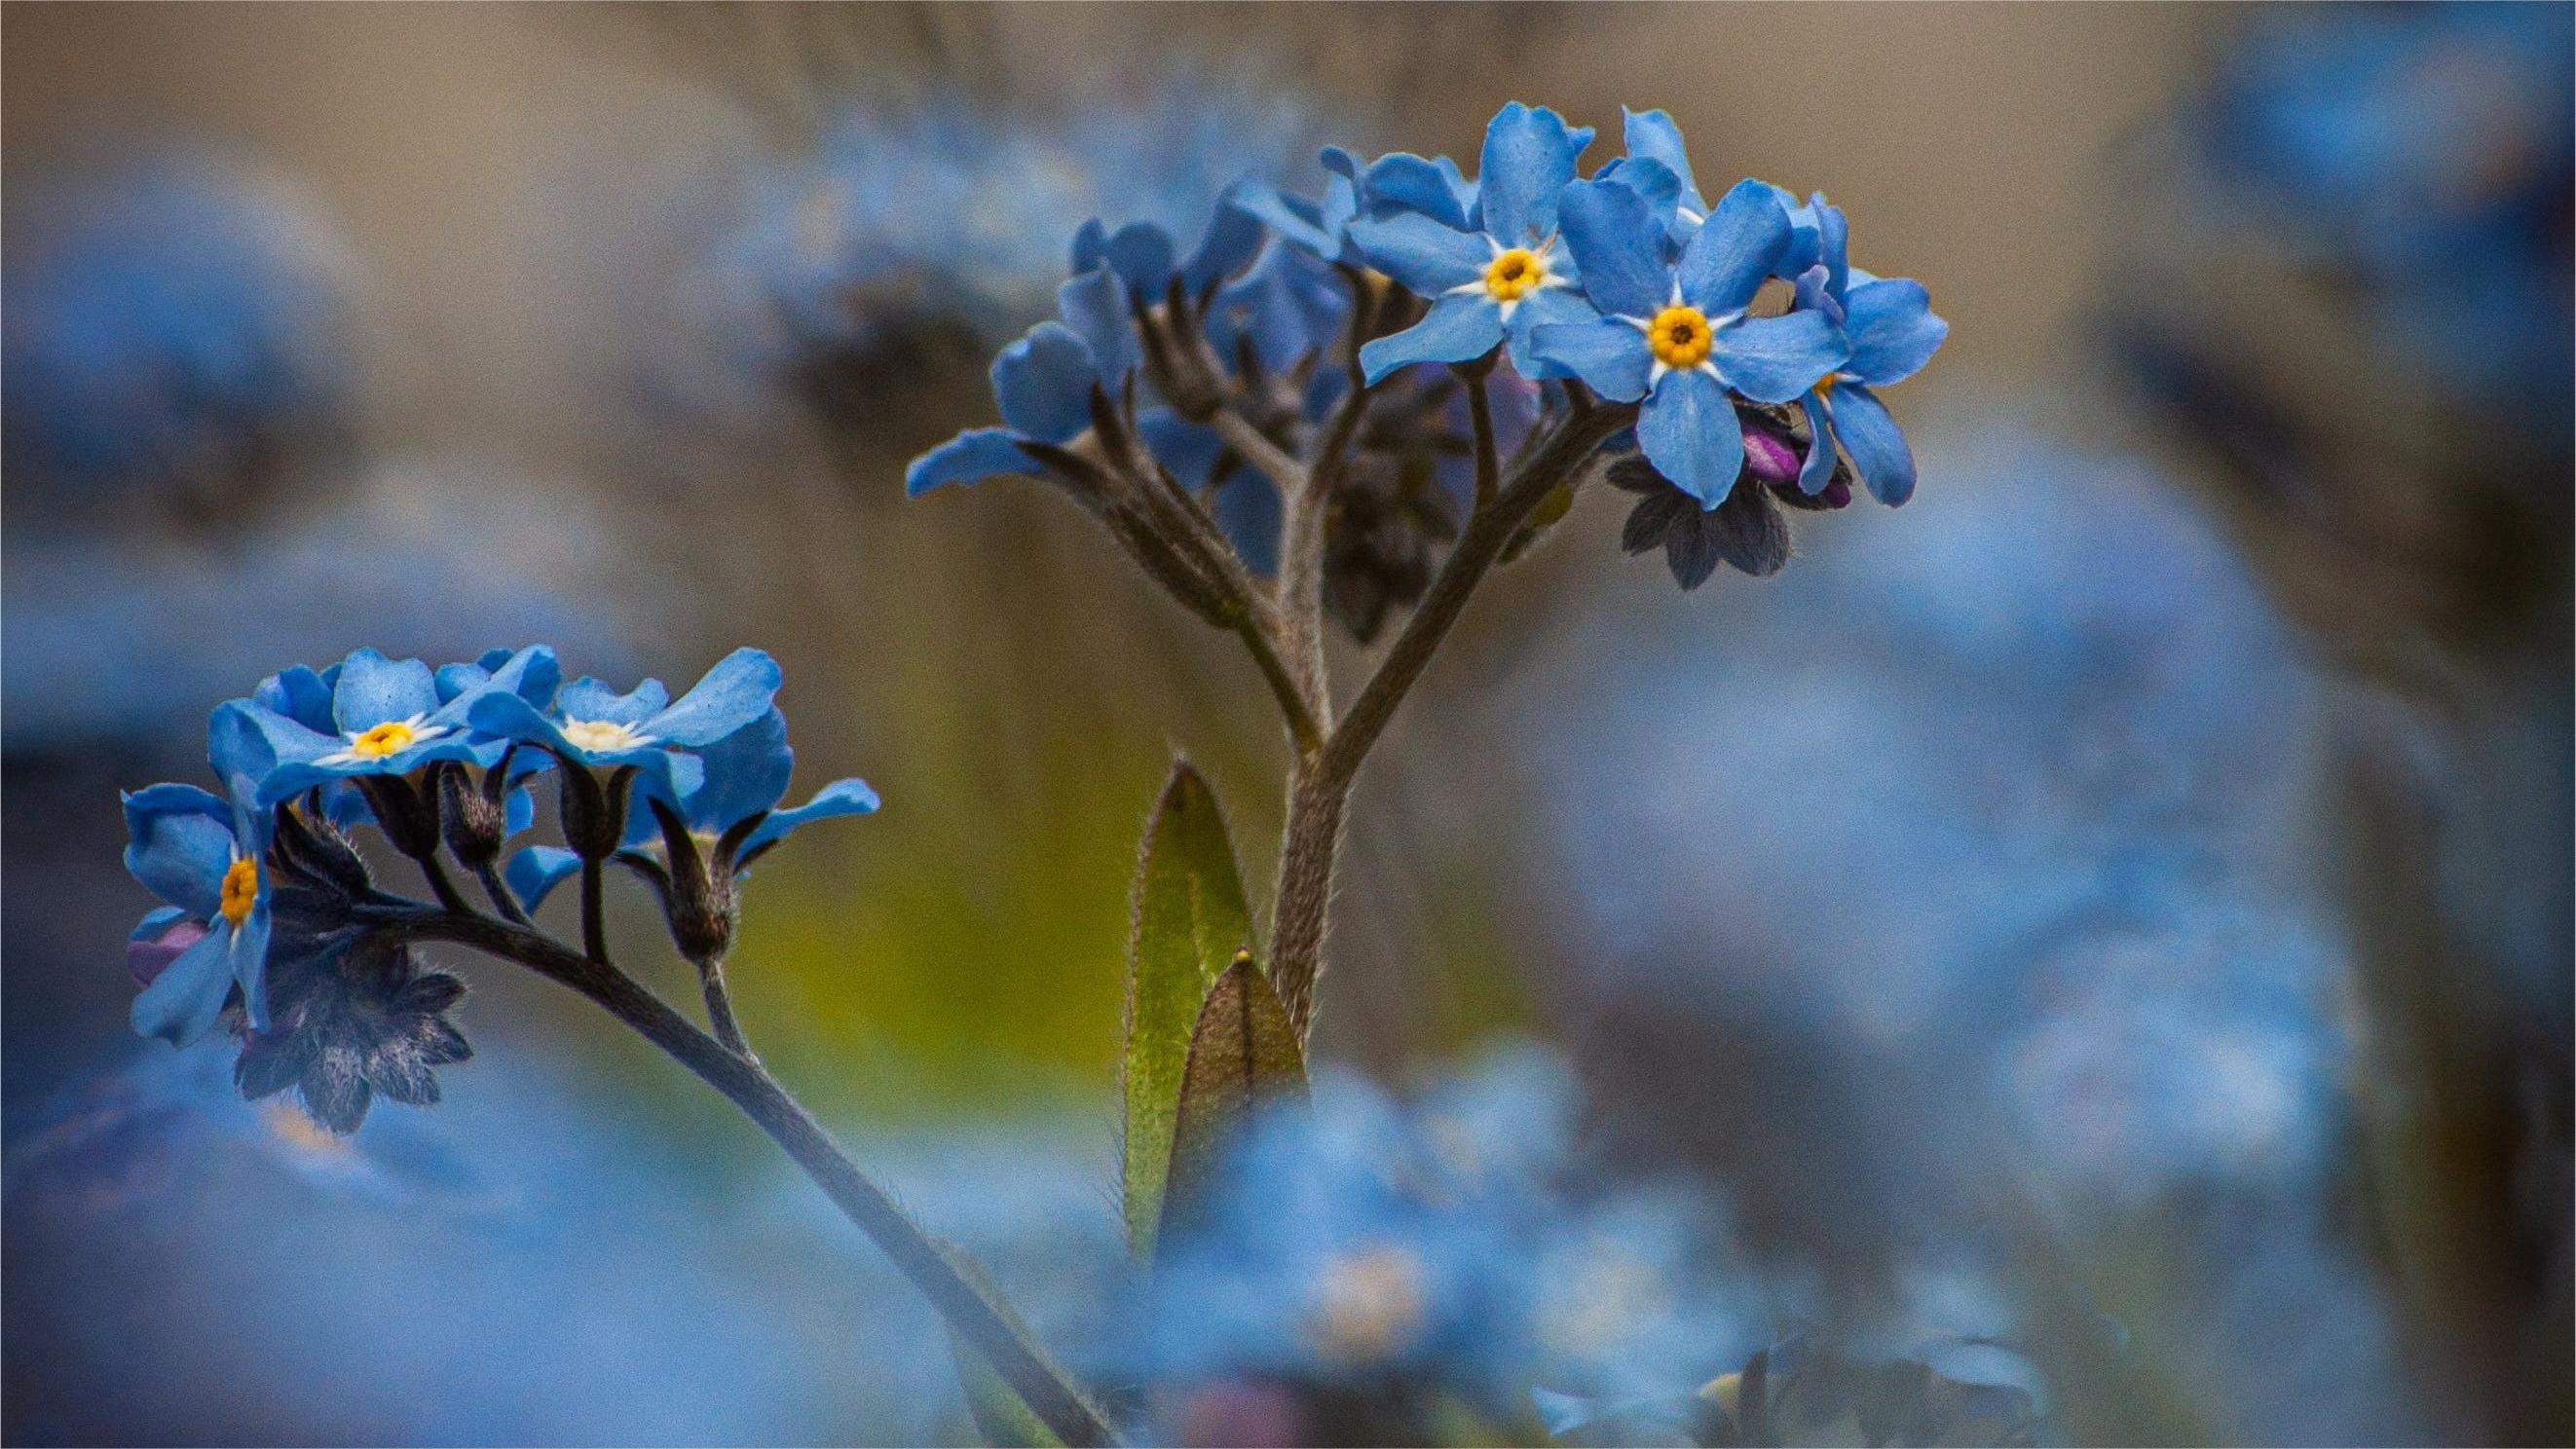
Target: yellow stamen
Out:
[1515,274]
[390,738]
[1680,337]
[241,891]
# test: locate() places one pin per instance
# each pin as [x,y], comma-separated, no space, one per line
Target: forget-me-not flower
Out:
[1493,273]
[592,725]
[1676,334]
[1892,331]
[385,717]
[206,855]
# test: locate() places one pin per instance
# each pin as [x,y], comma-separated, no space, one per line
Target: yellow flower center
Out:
[1680,337]
[241,891]
[1825,386]
[390,738]
[1515,274]
[602,735]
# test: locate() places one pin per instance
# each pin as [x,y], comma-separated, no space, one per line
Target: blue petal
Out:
[1457,329]
[1528,161]
[374,689]
[1188,449]
[1876,444]
[1248,510]
[1812,295]
[299,694]
[970,457]
[156,921]
[1618,246]
[1818,468]
[1427,257]
[1833,243]
[1610,356]
[1652,180]
[1043,382]
[1401,183]
[239,749]
[182,1002]
[1548,307]
[1652,136]
[533,873]
[1095,306]
[841,797]
[737,691]
[1141,253]
[588,698]
[248,951]
[1090,247]
[747,772]
[1689,432]
[519,811]
[1298,221]
[179,844]
[1893,331]
[532,673]
[1725,264]
[1776,359]
[1233,237]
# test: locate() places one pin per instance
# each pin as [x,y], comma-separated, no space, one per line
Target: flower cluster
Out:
[272,914]
[1325,339]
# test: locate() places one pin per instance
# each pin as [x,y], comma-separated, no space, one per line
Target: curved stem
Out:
[1039,1382]
[1480,412]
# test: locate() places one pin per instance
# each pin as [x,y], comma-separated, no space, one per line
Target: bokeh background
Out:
[2119,902]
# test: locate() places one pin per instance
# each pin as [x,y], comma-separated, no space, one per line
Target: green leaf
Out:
[1243,1051]
[1188,922]
[1004,1418]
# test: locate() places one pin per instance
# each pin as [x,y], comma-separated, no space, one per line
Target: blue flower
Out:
[1893,332]
[592,725]
[1320,229]
[1658,166]
[1490,267]
[1675,333]
[377,716]
[206,855]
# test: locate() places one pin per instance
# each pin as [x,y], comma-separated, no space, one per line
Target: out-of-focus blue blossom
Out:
[1675,333]
[206,856]
[176,324]
[2426,150]
[1490,268]
[592,725]
[118,640]
[2023,828]
[1459,1240]
[956,214]
[493,1242]
[386,716]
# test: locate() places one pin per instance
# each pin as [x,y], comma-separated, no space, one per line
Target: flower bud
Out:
[148,959]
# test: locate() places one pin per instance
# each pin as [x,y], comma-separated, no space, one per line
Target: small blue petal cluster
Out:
[1461,1239]
[1625,287]
[262,875]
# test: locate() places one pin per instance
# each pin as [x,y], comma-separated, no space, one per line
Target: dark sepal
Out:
[1749,531]
[700,903]
[594,811]
[315,849]
[475,819]
[408,817]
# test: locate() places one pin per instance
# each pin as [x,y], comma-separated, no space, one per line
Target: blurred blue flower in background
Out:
[178,326]
[2423,150]
[2024,823]
[954,213]
[1462,1239]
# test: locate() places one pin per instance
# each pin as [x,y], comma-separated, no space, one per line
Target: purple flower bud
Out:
[1771,458]
[148,959]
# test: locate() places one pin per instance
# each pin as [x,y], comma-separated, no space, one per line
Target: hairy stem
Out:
[1044,1386]
[504,899]
[720,1017]
[1319,789]
[594,910]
